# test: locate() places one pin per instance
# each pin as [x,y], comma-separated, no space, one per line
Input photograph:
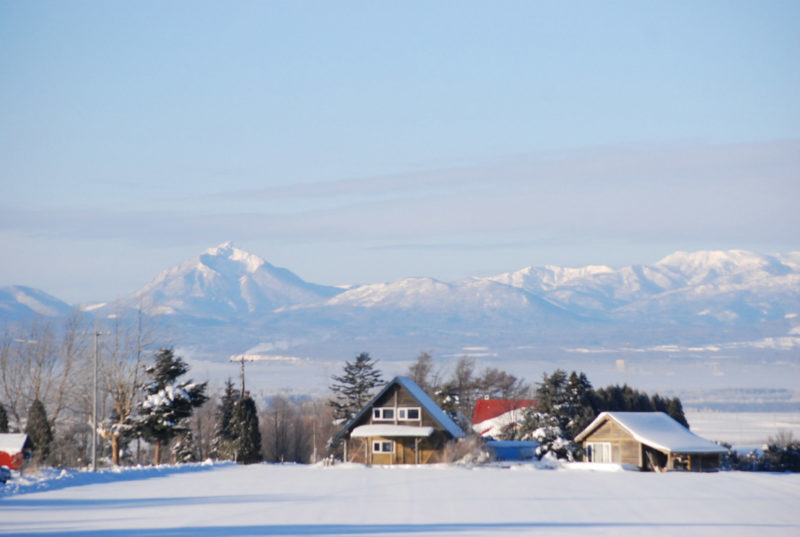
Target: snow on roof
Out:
[658,430]
[486,409]
[387,431]
[422,398]
[12,443]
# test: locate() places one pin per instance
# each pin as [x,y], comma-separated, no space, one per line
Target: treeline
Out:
[149,411]
[567,403]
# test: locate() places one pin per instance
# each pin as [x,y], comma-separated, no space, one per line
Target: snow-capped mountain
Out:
[19,302]
[229,302]
[718,286]
[226,282]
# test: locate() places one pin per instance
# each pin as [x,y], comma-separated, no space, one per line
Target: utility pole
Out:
[97,334]
[94,405]
[243,375]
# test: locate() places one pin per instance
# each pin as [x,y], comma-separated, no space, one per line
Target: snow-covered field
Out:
[225,499]
[743,428]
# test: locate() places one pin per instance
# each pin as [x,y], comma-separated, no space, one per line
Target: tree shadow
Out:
[402,529]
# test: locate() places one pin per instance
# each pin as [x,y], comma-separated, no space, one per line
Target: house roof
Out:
[657,430]
[12,443]
[486,409]
[391,430]
[424,400]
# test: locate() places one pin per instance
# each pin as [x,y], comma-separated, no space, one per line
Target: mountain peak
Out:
[227,250]
[226,281]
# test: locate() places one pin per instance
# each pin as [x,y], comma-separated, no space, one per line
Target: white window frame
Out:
[402,413]
[381,444]
[379,413]
[599,451]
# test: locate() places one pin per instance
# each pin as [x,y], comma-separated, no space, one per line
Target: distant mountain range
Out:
[227,301]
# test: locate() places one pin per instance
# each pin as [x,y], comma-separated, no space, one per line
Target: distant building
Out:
[492,416]
[401,425]
[649,440]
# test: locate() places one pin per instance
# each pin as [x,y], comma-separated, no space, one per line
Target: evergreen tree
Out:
[167,402]
[675,410]
[353,390]
[627,399]
[564,406]
[245,431]
[39,432]
[222,443]
[546,430]
[3,419]
[183,450]
[581,403]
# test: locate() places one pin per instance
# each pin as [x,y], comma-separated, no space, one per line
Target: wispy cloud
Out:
[640,192]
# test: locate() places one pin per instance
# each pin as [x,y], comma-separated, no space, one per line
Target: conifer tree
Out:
[581,404]
[222,447]
[183,450]
[39,432]
[3,419]
[353,390]
[675,410]
[245,431]
[167,402]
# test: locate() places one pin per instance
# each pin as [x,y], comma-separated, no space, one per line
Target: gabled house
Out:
[13,450]
[491,416]
[649,440]
[401,425]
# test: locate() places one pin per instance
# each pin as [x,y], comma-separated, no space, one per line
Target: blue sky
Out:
[357,142]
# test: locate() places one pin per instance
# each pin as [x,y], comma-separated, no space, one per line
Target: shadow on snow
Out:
[391,529]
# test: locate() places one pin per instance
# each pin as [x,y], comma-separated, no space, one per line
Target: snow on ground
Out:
[743,428]
[225,499]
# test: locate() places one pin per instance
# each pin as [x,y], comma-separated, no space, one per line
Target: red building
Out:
[12,449]
[492,415]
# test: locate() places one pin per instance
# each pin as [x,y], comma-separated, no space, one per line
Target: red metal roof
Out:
[486,409]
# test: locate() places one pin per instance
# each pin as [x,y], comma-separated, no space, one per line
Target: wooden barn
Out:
[401,425]
[649,440]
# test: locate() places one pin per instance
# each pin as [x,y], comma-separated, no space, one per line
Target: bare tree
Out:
[423,373]
[133,333]
[33,366]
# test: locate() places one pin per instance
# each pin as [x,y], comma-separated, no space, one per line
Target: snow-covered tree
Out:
[167,402]
[39,431]
[184,450]
[353,390]
[546,429]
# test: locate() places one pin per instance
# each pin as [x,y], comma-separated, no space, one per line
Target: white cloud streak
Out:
[722,192]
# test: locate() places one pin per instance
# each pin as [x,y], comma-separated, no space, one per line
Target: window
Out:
[408,414]
[383,413]
[403,413]
[599,451]
[383,446]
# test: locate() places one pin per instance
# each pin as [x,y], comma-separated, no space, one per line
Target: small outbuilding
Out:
[649,440]
[13,449]
[401,425]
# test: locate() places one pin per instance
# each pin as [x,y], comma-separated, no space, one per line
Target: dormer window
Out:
[403,413]
[384,414]
[410,414]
